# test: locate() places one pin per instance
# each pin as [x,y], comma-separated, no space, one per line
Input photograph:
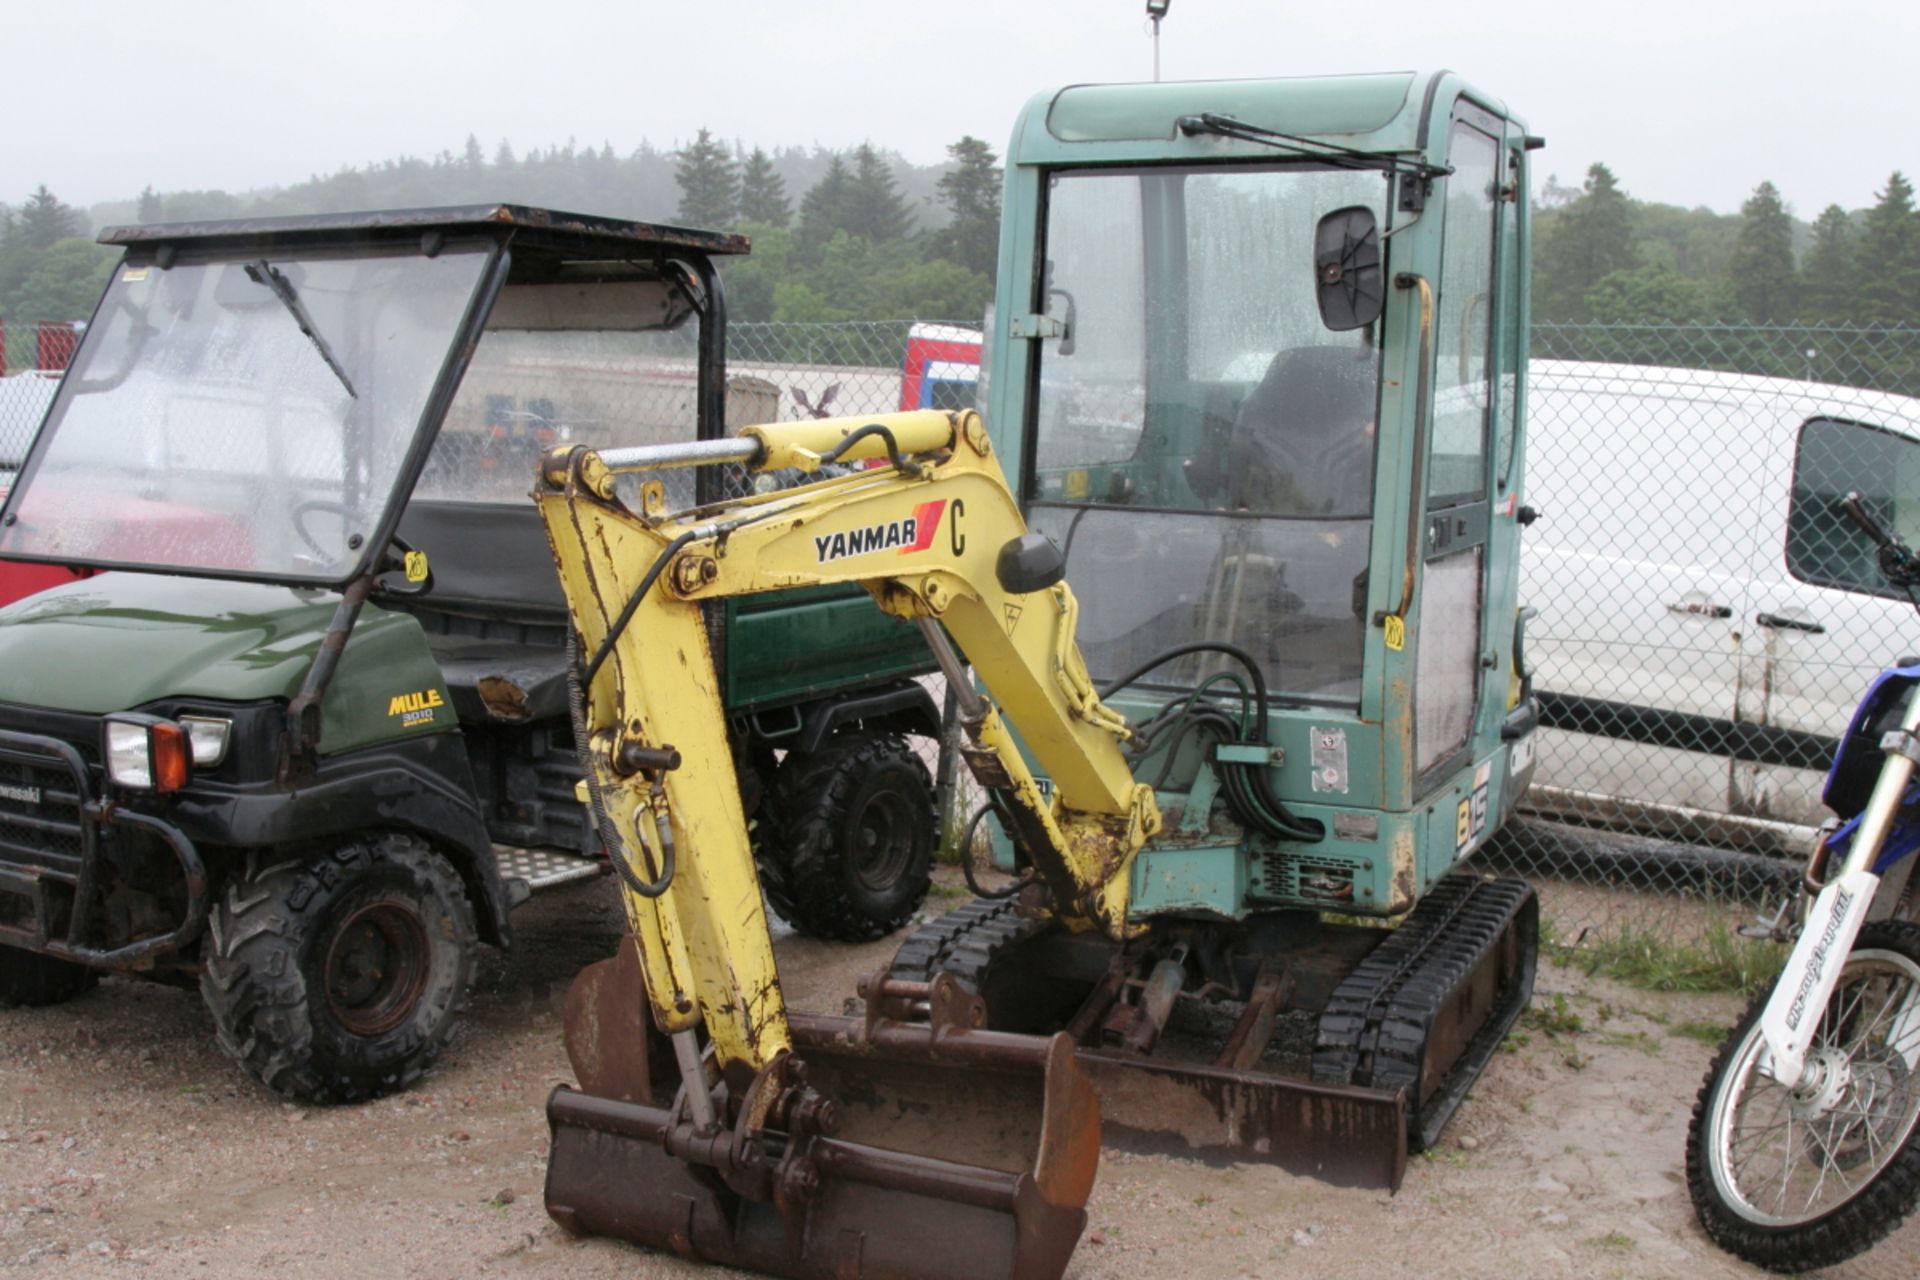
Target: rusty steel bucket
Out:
[877,1149]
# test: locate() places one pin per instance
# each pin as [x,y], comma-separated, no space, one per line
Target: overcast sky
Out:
[1691,103]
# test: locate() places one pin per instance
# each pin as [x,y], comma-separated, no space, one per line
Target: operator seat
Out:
[1302,443]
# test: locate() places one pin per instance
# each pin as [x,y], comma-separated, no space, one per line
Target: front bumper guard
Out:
[91,815]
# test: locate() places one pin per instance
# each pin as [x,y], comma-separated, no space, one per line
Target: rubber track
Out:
[1374,1029]
[964,943]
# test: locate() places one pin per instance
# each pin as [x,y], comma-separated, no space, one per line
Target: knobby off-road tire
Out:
[848,838]
[1796,1196]
[32,980]
[340,976]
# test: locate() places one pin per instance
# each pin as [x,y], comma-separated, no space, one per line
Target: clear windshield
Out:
[604,365]
[247,416]
[1204,445]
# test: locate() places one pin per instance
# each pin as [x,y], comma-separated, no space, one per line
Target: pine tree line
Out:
[1602,257]
[1837,301]
[860,234]
[50,269]
[851,251]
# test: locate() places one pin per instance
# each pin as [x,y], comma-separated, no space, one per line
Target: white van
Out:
[1706,617]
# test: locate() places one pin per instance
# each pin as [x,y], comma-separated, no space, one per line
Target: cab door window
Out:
[1447,656]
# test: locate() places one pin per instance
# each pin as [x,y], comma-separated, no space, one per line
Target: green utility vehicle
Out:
[313,741]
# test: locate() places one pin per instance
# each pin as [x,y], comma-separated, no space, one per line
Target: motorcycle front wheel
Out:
[1796,1179]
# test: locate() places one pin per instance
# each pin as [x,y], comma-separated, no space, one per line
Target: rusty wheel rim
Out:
[376,968]
[882,839]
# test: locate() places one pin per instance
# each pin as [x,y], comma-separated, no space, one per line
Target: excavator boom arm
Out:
[927,535]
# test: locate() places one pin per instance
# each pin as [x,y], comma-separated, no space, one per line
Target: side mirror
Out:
[1346,269]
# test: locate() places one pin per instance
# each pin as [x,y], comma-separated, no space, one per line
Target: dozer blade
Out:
[932,1150]
[1341,1134]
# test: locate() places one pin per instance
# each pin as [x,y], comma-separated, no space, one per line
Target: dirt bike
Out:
[1804,1148]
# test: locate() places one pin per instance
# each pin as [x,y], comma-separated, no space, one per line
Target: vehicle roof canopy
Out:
[572,236]
[1383,113]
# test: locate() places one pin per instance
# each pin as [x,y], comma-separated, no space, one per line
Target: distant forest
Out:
[837,235]
[862,234]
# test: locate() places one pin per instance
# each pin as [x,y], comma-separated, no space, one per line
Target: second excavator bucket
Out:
[876,1150]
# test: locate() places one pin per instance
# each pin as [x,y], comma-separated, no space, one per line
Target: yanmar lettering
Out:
[415,708]
[914,533]
[1817,962]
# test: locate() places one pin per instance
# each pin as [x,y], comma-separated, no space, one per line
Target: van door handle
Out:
[1700,609]
[1790,624]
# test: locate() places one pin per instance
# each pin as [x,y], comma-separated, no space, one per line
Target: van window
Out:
[1833,459]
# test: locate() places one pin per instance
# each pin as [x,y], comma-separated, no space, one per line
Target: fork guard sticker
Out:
[908,535]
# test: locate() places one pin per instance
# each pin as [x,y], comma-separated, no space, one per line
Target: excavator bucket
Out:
[878,1149]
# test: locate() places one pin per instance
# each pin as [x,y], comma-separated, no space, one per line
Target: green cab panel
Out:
[792,646]
[121,640]
[1322,104]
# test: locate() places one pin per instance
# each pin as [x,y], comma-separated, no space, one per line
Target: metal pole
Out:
[1156,48]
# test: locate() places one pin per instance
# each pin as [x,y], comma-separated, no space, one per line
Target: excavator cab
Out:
[1258,348]
[1259,352]
[1224,589]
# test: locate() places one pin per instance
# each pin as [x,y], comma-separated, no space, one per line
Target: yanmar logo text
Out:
[915,533]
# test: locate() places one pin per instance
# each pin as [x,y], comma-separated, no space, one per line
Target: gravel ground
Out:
[130,1146]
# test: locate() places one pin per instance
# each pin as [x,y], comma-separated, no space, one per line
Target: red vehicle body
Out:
[22,406]
[942,366]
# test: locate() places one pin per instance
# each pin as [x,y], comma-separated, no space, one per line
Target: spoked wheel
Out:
[1794,1179]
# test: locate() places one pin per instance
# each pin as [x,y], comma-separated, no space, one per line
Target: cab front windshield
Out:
[1204,446]
[247,415]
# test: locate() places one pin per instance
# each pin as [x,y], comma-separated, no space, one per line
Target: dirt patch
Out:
[130,1146]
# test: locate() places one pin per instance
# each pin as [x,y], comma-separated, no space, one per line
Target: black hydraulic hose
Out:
[633,603]
[602,824]
[966,857]
[871,429]
[1238,654]
[1249,789]
[1210,718]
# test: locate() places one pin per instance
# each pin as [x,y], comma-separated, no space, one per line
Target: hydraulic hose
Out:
[602,824]
[966,857]
[1248,788]
[633,603]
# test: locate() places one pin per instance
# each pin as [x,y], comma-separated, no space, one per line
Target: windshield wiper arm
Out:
[1346,157]
[262,272]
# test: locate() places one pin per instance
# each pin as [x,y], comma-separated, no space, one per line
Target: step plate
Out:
[545,868]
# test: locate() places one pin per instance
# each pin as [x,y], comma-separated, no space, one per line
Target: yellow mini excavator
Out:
[1256,385]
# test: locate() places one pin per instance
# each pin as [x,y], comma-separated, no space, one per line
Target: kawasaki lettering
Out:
[914,533]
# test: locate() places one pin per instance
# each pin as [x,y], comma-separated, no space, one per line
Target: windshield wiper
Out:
[262,272]
[1332,152]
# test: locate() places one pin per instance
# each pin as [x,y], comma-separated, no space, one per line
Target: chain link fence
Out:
[32,357]
[1704,619]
